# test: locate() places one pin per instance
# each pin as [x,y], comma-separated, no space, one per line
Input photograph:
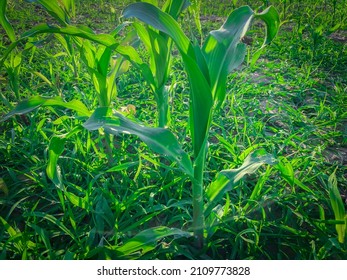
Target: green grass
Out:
[292,103]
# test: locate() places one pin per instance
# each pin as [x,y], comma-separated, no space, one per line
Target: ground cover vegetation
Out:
[131,131]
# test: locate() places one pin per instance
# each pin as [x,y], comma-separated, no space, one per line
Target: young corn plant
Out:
[105,60]
[158,45]
[207,68]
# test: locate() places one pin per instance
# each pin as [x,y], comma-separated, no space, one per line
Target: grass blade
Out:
[338,207]
[55,221]
[227,179]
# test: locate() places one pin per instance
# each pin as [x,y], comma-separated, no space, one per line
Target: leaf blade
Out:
[158,139]
[338,207]
[227,179]
[38,101]
[200,92]
[4,21]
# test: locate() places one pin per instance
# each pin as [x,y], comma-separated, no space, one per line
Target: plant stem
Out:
[108,149]
[198,200]
[163,106]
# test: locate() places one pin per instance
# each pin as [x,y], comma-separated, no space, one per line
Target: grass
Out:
[292,103]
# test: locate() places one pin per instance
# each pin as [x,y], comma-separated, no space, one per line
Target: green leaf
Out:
[70,8]
[122,166]
[43,234]
[159,49]
[81,202]
[287,173]
[195,9]
[227,179]
[159,45]
[3,187]
[161,21]
[224,51]
[103,39]
[38,101]
[200,93]
[175,7]
[17,238]
[54,9]
[80,32]
[338,207]
[55,149]
[54,221]
[147,240]
[4,22]
[286,169]
[159,140]
[272,21]
[103,216]
[223,46]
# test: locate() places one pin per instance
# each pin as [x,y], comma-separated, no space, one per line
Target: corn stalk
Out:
[207,68]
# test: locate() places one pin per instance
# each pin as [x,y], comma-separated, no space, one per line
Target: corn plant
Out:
[12,66]
[158,44]
[207,68]
[105,60]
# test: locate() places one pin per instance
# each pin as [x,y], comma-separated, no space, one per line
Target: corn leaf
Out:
[227,179]
[159,140]
[39,101]
[54,9]
[338,207]
[55,149]
[158,48]
[158,45]
[103,39]
[221,48]
[70,8]
[272,22]
[224,51]
[147,240]
[175,7]
[200,93]
[80,32]
[4,22]
[161,21]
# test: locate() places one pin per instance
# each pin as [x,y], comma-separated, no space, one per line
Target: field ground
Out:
[292,103]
